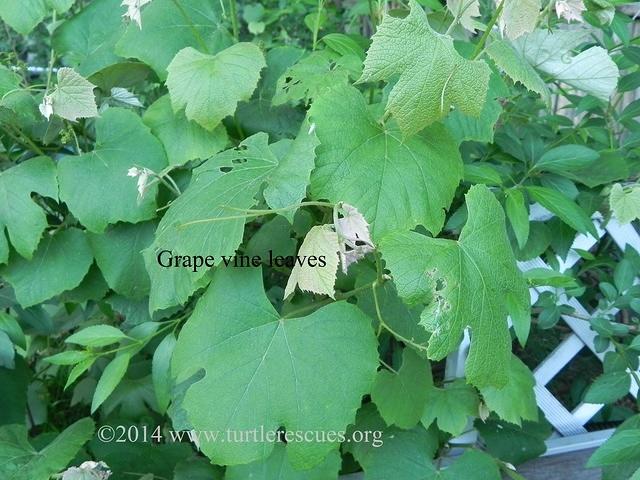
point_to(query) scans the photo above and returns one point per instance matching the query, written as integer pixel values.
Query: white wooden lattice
(570, 433)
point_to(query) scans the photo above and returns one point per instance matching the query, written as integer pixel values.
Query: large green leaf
(473, 282)
(209, 87)
(169, 26)
(243, 172)
(118, 253)
(450, 407)
(396, 184)
(519, 17)
(20, 461)
(305, 374)
(24, 15)
(60, 263)
(19, 214)
(95, 185)
(432, 75)
(621, 447)
(183, 139)
(87, 40)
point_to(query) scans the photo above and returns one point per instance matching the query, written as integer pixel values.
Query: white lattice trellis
(570, 433)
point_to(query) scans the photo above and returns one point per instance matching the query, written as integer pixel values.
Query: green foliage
(167, 168)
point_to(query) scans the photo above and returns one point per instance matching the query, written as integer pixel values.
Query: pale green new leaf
(451, 406)
(95, 185)
(183, 139)
(60, 263)
(110, 378)
(73, 96)
(592, 70)
(513, 63)
(465, 11)
(473, 282)
(625, 203)
(401, 397)
(118, 253)
(516, 401)
(320, 241)
(169, 26)
(277, 467)
(432, 75)
(206, 219)
(161, 371)
(20, 461)
(270, 372)
(209, 87)
(23, 219)
(519, 17)
(96, 336)
(518, 215)
(396, 184)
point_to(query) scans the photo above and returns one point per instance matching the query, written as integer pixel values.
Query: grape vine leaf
(73, 96)
(450, 407)
(516, 401)
(320, 241)
(87, 40)
(473, 282)
(401, 396)
(118, 253)
(465, 11)
(209, 87)
(24, 15)
(592, 70)
(23, 219)
(519, 17)
(277, 467)
(508, 59)
(92, 180)
(20, 461)
(170, 26)
(60, 263)
(183, 139)
(432, 76)
(207, 200)
(285, 372)
(370, 167)
(624, 204)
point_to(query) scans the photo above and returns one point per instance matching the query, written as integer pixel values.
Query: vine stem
(339, 296)
(233, 12)
(192, 27)
(480, 46)
(316, 24)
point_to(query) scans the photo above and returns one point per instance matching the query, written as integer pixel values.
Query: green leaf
(19, 214)
(516, 401)
(451, 406)
(161, 371)
(432, 75)
(197, 468)
(511, 61)
(277, 467)
(621, 447)
(183, 140)
(367, 165)
(73, 96)
(321, 241)
(170, 26)
(465, 11)
(592, 70)
(287, 372)
(69, 357)
(513, 443)
(518, 215)
(109, 380)
(519, 17)
(118, 253)
(401, 397)
(566, 209)
(566, 158)
(87, 40)
(625, 203)
(7, 352)
(11, 327)
(209, 87)
(96, 336)
(93, 180)
(20, 461)
(59, 264)
(457, 280)
(473, 465)
(24, 15)
(208, 202)
(608, 387)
